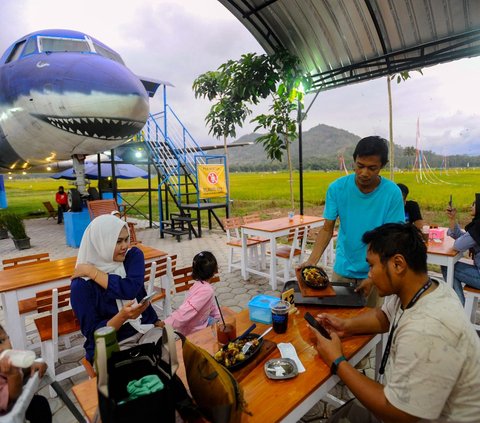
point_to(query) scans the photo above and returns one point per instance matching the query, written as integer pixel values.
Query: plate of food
(231, 356)
(315, 277)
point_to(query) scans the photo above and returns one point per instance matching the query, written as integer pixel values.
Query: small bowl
(280, 368)
(317, 279)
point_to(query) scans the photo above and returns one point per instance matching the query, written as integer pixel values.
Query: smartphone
(314, 323)
(450, 203)
(147, 298)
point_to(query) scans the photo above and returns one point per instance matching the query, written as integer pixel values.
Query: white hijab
(97, 247)
(98, 244)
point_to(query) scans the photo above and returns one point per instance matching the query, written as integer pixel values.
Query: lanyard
(395, 325)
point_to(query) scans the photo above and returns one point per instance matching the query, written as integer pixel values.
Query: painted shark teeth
(94, 126)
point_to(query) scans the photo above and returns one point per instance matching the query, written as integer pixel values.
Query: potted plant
(14, 224)
(3, 228)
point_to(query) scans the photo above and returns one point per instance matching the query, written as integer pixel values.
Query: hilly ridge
(322, 146)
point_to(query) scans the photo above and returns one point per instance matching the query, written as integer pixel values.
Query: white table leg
(13, 323)
(244, 259)
(273, 263)
(450, 270)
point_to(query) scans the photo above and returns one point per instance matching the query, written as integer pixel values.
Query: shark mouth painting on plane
(64, 93)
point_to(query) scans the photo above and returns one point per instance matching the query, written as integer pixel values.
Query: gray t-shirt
(433, 371)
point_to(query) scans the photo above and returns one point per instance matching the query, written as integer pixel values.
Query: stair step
(173, 231)
(178, 218)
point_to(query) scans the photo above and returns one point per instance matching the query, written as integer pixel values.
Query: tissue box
(436, 234)
(259, 308)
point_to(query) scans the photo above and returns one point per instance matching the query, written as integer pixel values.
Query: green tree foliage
(237, 84)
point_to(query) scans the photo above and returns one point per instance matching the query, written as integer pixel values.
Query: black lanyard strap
(415, 298)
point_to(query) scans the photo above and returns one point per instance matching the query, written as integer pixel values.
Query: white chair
(234, 243)
(158, 280)
(287, 254)
(472, 296)
(328, 256)
(55, 326)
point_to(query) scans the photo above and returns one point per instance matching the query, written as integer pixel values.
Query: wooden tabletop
(445, 247)
(282, 223)
(39, 273)
(258, 389)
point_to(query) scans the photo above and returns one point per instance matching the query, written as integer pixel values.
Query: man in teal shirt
(362, 202)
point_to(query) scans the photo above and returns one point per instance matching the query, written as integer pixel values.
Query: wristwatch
(335, 363)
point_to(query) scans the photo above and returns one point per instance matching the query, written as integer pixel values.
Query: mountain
(322, 146)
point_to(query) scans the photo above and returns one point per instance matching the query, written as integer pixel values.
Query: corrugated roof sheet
(345, 41)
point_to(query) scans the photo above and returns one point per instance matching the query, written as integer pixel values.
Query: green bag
(214, 389)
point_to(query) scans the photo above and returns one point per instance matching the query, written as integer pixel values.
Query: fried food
(232, 353)
(315, 276)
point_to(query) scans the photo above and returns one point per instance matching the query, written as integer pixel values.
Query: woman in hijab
(108, 285)
(466, 240)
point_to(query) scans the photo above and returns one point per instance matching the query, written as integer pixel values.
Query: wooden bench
(25, 260)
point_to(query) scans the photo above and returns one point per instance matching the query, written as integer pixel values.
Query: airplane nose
(100, 97)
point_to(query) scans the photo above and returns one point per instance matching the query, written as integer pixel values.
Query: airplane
(65, 95)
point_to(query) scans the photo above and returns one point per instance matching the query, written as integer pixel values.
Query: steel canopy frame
(340, 42)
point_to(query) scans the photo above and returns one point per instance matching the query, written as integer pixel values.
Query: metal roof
(340, 42)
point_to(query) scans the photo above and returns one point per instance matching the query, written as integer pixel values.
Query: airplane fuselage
(63, 93)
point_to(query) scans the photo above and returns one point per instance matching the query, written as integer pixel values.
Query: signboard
(211, 180)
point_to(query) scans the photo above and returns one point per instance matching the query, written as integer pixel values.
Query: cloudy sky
(177, 40)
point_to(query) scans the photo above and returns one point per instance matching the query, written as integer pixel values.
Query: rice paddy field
(269, 192)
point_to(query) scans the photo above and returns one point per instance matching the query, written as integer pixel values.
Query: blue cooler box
(259, 308)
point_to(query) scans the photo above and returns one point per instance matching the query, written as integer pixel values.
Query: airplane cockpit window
(17, 50)
(30, 47)
(108, 53)
(52, 44)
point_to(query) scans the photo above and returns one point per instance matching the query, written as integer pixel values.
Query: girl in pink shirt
(199, 309)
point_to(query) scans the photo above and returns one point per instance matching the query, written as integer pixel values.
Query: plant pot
(22, 244)
(3, 233)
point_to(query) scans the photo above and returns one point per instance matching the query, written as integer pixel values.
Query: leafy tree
(237, 84)
(281, 122)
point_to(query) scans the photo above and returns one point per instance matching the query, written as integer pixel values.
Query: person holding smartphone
(430, 366)
(468, 240)
(108, 286)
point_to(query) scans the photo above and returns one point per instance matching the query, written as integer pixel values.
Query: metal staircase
(175, 154)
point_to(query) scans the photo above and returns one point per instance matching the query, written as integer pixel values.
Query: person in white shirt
(431, 363)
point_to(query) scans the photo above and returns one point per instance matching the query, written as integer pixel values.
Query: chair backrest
(231, 226)
(252, 218)
(46, 299)
(99, 207)
(297, 237)
(182, 279)
(25, 260)
(158, 269)
(49, 207)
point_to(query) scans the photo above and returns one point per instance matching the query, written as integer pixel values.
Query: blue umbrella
(122, 171)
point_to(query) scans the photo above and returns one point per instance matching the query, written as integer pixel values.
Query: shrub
(14, 224)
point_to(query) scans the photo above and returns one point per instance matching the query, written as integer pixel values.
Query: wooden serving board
(310, 292)
(265, 351)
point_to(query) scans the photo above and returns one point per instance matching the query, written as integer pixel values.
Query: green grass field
(269, 193)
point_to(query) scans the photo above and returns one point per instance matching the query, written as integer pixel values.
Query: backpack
(214, 389)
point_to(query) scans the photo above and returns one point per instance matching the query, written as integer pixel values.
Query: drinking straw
(221, 314)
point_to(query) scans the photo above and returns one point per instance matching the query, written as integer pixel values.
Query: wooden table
(273, 229)
(23, 282)
(272, 400)
(443, 254)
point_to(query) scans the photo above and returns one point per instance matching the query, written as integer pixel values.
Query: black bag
(146, 359)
